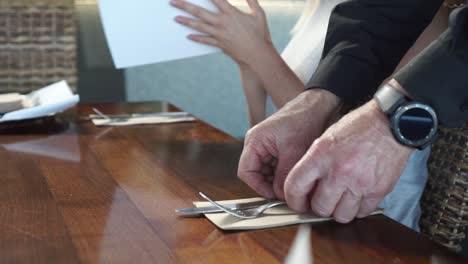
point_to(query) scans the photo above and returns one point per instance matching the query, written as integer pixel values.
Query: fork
(110, 119)
(244, 213)
(126, 117)
(99, 113)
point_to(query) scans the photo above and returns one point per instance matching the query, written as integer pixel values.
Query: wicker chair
(445, 199)
(37, 44)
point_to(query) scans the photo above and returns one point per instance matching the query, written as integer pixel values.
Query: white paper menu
(143, 32)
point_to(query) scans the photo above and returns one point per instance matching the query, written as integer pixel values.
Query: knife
(197, 211)
(162, 114)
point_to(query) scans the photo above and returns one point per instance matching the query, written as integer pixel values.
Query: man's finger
(287, 160)
(325, 197)
(368, 205)
(347, 207)
(259, 183)
(372, 200)
(250, 167)
(267, 171)
(196, 11)
(301, 181)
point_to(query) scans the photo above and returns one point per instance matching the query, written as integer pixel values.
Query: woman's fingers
(196, 11)
(254, 5)
(196, 24)
(204, 40)
(222, 5)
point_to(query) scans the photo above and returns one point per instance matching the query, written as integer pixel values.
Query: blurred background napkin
(273, 217)
(46, 101)
(141, 120)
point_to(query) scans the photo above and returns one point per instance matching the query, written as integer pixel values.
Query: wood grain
(74, 193)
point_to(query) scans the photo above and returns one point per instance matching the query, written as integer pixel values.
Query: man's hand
(350, 168)
(273, 147)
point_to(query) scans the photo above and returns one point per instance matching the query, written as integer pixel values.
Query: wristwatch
(413, 124)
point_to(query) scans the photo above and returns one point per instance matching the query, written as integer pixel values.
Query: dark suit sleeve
(439, 75)
(365, 41)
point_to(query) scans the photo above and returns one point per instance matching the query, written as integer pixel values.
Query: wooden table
(76, 193)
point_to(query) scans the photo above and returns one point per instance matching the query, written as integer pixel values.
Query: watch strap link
(389, 99)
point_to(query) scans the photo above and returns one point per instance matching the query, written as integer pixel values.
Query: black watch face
(415, 124)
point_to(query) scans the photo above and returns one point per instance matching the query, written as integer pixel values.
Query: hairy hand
(240, 35)
(349, 169)
(273, 147)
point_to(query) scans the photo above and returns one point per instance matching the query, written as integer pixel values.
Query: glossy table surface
(75, 193)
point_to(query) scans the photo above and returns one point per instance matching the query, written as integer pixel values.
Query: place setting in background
(101, 119)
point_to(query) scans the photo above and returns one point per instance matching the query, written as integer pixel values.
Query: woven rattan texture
(445, 199)
(37, 44)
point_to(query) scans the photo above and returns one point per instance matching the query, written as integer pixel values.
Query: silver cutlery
(125, 117)
(244, 213)
(197, 211)
(100, 114)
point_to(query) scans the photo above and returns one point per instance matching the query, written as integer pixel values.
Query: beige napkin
(273, 217)
(143, 120)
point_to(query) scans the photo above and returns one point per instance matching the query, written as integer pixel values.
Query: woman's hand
(242, 36)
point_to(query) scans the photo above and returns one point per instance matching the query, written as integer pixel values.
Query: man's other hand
(350, 168)
(273, 147)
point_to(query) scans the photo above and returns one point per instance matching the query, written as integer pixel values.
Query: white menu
(143, 32)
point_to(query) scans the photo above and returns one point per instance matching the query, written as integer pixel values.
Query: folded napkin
(46, 101)
(273, 217)
(11, 102)
(141, 120)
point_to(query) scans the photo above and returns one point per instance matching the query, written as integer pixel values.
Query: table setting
(250, 213)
